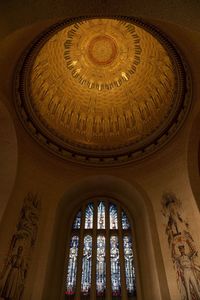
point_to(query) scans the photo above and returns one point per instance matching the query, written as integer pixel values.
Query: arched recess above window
(100, 257)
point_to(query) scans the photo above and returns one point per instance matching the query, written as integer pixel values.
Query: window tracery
(100, 253)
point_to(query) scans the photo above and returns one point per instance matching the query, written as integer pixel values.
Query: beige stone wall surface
(62, 186)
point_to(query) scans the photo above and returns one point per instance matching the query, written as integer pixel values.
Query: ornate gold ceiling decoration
(103, 54)
(102, 90)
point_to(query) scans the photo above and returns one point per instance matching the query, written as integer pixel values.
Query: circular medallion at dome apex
(98, 89)
(102, 50)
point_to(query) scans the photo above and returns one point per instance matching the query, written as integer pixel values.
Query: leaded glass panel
(129, 266)
(115, 266)
(90, 277)
(72, 266)
(77, 221)
(101, 266)
(86, 265)
(113, 216)
(101, 216)
(89, 215)
(125, 221)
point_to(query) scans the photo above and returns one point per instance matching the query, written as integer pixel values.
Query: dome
(101, 90)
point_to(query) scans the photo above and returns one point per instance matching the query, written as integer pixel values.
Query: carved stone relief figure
(14, 281)
(183, 250)
(16, 265)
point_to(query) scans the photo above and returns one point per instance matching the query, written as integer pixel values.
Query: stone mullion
(80, 255)
(121, 255)
(94, 254)
(108, 271)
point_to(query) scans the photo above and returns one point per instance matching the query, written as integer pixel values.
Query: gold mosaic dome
(101, 89)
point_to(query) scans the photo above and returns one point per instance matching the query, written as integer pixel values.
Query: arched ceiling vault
(102, 90)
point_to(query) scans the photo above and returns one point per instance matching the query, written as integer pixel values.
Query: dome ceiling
(101, 88)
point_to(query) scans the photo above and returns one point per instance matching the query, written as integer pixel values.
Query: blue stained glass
(89, 212)
(113, 216)
(129, 265)
(125, 221)
(86, 265)
(101, 216)
(77, 221)
(101, 266)
(115, 266)
(72, 266)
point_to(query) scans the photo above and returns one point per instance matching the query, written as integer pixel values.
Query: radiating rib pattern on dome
(102, 90)
(102, 83)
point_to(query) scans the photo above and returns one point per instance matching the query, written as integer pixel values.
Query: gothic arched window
(100, 260)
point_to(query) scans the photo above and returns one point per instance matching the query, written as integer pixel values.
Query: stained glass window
(86, 265)
(125, 221)
(101, 254)
(89, 216)
(72, 266)
(129, 265)
(77, 221)
(101, 216)
(115, 266)
(113, 216)
(101, 266)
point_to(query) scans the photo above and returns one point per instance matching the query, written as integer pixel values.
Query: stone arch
(8, 157)
(193, 159)
(151, 286)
